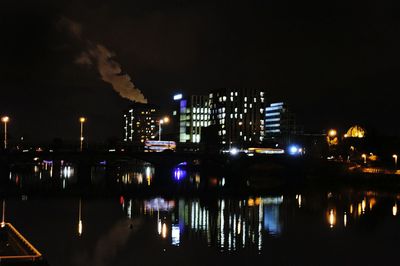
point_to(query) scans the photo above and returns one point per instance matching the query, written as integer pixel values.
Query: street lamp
(332, 133)
(364, 156)
(395, 160)
(162, 121)
(82, 120)
(5, 120)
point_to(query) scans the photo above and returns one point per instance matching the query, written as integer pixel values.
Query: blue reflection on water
(179, 173)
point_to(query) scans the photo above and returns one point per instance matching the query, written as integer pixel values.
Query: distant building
(355, 132)
(141, 123)
(280, 123)
(190, 116)
(238, 115)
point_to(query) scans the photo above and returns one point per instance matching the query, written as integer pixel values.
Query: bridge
(163, 162)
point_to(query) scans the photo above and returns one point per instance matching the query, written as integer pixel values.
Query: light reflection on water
(62, 175)
(241, 226)
(234, 224)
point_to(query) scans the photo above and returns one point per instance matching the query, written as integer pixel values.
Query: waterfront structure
(141, 123)
(355, 132)
(15, 249)
(280, 123)
(238, 115)
(190, 116)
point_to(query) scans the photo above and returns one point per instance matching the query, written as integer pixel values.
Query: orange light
(5, 119)
(332, 133)
(250, 202)
(82, 119)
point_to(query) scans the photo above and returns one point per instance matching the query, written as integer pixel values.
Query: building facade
(141, 123)
(238, 115)
(190, 116)
(280, 123)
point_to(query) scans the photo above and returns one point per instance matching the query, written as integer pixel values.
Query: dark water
(312, 227)
(322, 228)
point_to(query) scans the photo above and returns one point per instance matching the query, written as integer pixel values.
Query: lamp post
(82, 120)
(162, 121)
(395, 160)
(5, 120)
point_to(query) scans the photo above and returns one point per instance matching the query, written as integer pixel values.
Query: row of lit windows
(235, 93)
(272, 119)
(201, 110)
(201, 117)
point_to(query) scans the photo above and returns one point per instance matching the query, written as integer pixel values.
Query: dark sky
(335, 62)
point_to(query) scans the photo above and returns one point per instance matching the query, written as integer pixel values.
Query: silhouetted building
(190, 116)
(238, 115)
(280, 124)
(141, 123)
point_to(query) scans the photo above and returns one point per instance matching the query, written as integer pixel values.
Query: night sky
(335, 62)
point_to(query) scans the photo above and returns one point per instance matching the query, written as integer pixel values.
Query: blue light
(179, 173)
(294, 150)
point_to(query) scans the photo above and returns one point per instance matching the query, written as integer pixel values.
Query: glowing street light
(332, 133)
(332, 138)
(364, 156)
(162, 121)
(5, 120)
(395, 160)
(81, 121)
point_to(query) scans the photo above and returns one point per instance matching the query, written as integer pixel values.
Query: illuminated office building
(190, 116)
(141, 123)
(279, 122)
(238, 115)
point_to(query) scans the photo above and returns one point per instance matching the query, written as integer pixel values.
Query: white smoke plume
(110, 70)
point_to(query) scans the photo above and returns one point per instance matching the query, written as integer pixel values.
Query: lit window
(245, 99)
